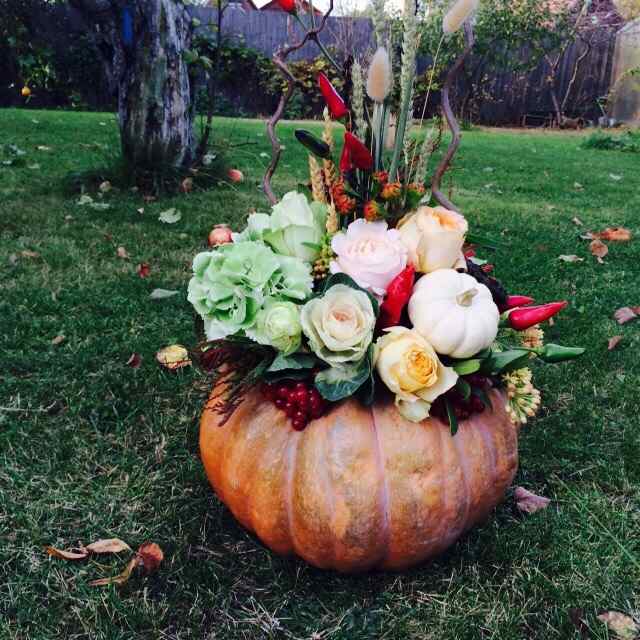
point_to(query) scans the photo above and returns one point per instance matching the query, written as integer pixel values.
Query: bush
(628, 141)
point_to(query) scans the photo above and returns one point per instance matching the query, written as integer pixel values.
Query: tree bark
(142, 45)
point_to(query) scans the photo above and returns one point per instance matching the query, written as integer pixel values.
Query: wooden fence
(505, 98)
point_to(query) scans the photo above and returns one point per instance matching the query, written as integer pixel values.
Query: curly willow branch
(279, 59)
(451, 121)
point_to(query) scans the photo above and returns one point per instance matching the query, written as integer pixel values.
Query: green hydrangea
(230, 285)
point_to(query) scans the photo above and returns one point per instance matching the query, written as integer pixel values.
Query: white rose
(370, 253)
(411, 369)
(339, 325)
(434, 238)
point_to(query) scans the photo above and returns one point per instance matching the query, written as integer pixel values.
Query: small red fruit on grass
(220, 234)
(235, 175)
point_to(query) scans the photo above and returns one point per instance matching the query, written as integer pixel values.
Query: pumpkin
(454, 313)
(360, 488)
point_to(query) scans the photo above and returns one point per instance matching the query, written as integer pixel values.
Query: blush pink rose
(370, 253)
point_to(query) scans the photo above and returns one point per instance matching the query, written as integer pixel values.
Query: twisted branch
(456, 135)
(279, 59)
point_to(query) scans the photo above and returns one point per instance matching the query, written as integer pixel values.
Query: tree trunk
(142, 46)
(155, 106)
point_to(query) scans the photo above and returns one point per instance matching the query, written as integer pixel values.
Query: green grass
(117, 453)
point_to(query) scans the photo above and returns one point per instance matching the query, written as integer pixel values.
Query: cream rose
(434, 238)
(339, 325)
(411, 369)
(370, 253)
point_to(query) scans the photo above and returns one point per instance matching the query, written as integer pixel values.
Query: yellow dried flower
(317, 180)
(533, 337)
(523, 399)
(327, 132)
(333, 223)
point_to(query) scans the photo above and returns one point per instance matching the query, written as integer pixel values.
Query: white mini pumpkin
(454, 312)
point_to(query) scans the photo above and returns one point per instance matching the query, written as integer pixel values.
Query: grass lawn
(92, 448)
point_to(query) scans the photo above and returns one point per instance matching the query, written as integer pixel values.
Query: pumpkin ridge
(383, 488)
(327, 442)
(462, 461)
(292, 451)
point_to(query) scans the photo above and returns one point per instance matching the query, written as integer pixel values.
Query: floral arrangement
(366, 286)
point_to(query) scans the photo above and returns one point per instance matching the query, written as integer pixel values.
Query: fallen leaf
(161, 294)
(43, 147)
(105, 186)
(140, 210)
(144, 269)
(34, 167)
(613, 342)
(615, 176)
(150, 555)
(29, 254)
(610, 234)
(121, 578)
(186, 186)
(134, 361)
(121, 252)
(577, 221)
(577, 186)
(100, 206)
(84, 200)
(58, 340)
(614, 234)
(79, 553)
(625, 314)
(598, 249)
(173, 357)
(208, 158)
(170, 216)
(624, 626)
(529, 502)
(570, 258)
(108, 545)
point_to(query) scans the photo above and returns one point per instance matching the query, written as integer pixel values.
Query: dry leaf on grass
(58, 340)
(105, 186)
(610, 234)
(120, 579)
(148, 557)
(570, 258)
(29, 254)
(161, 294)
(613, 342)
(144, 269)
(108, 545)
(625, 314)
(173, 357)
(77, 553)
(598, 249)
(121, 252)
(624, 626)
(170, 216)
(577, 221)
(134, 361)
(529, 502)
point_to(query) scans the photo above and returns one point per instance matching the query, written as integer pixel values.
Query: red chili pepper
(361, 157)
(288, 5)
(346, 162)
(337, 107)
(516, 301)
(521, 319)
(398, 294)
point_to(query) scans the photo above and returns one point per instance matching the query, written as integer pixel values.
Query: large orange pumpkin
(361, 487)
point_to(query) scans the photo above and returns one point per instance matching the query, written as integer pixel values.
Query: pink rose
(370, 253)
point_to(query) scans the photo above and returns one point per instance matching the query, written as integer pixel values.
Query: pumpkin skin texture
(360, 488)
(454, 313)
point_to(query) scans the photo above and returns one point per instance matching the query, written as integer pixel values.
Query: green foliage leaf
(335, 384)
(467, 367)
(293, 361)
(453, 421)
(505, 361)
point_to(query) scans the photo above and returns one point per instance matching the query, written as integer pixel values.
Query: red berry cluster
(462, 408)
(299, 400)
